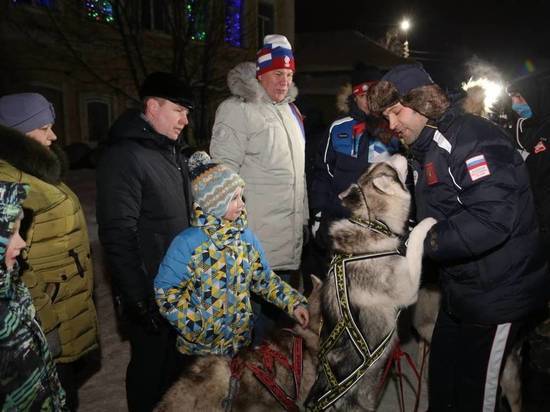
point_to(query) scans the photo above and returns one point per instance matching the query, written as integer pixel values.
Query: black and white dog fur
(377, 287)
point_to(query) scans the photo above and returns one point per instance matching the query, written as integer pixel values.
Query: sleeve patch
(477, 167)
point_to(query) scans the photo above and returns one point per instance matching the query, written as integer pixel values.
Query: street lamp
(404, 26)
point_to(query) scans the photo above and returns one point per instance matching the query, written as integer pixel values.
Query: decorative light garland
(195, 10)
(99, 10)
(233, 26)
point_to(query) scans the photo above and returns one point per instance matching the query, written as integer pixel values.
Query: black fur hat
(411, 86)
(168, 86)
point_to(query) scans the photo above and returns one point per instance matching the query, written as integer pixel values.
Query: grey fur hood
(31, 157)
(242, 83)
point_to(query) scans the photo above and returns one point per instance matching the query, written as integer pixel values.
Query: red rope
(265, 372)
(425, 351)
(395, 359)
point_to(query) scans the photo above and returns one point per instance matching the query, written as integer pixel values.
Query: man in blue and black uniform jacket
(485, 245)
(353, 143)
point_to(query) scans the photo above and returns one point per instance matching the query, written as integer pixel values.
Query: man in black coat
(531, 101)
(143, 202)
(485, 245)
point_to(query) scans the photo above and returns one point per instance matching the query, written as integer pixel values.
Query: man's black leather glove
(146, 313)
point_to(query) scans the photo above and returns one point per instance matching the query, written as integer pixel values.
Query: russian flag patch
(477, 167)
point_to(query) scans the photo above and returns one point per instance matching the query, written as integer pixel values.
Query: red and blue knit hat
(276, 53)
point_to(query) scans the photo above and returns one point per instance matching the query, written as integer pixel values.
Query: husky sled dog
(368, 283)
(207, 385)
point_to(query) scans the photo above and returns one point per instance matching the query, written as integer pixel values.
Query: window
(97, 118)
(153, 15)
(266, 18)
(50, 4)
(99, 10)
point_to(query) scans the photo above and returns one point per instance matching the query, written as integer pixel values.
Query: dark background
(453, 39)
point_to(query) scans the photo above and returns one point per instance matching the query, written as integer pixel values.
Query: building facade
(89, 56)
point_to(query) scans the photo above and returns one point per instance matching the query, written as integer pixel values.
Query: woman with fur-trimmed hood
(259, 133)
(58, 268)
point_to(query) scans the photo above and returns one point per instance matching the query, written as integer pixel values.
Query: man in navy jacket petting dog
(485, 245)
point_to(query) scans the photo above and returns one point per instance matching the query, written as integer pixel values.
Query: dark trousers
(154, 365)
(67, 377)
(466, 361)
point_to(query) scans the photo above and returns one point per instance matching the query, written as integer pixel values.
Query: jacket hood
(11, 197)
(535, 89)
(221, 231)
(342, 98)
(132, 125)
(242, 83)
(31, 157)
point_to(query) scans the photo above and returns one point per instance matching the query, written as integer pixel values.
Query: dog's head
(381, 193)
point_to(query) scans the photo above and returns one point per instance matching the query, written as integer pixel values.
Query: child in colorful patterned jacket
(204, 281)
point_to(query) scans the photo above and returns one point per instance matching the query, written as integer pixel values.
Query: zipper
(79, 267)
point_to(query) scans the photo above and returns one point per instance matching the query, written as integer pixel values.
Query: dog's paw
(426, 224)
(418, 234)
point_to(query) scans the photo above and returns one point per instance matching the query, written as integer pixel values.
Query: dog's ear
(317, 283)
(399, 163)
(385, 184)
(351, 197)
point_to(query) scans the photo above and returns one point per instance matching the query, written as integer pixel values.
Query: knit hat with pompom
(213, 184)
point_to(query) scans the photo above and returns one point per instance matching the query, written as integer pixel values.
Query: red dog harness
(265, 372)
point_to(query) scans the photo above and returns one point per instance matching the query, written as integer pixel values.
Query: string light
(233, 28)
(50, 4)
(195, 10)
(99, 10)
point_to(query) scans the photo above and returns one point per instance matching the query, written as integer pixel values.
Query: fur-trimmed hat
(412, 86)
(167, 86)
(25, 112)
(276, 53)
(213, 184)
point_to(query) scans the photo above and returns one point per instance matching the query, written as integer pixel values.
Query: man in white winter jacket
(258, 132)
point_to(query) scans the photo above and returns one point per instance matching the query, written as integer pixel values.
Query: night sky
(449, 38)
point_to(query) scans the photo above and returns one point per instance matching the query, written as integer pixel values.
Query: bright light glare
(492, 90)
(405, 24)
